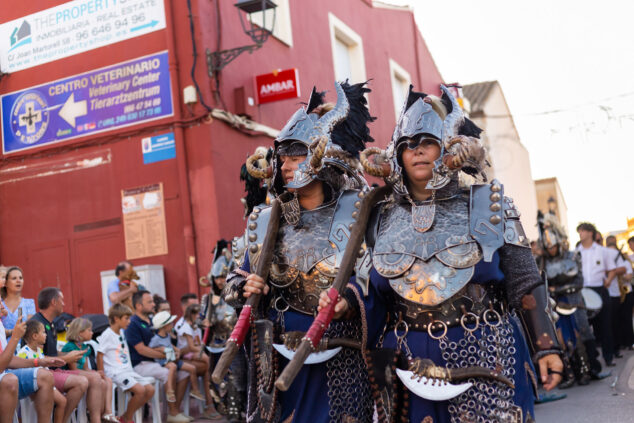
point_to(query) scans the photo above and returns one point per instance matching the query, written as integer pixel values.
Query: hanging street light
(247, 10)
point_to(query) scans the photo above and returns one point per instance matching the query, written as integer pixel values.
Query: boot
(592, 354)
(582, 368)
(569, 374)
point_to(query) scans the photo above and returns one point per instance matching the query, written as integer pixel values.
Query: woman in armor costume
(221, 318)
(316, 174)
(562, 269)
(452, 266)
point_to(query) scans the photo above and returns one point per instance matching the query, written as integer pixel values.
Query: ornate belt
(474, 303)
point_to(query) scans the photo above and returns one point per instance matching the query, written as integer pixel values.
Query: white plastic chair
(120, 402)
(27, 411)
(156, 403)
(80, 415)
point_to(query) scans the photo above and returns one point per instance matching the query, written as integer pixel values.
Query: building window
(347, 51)
(400, 86)
(282, 29)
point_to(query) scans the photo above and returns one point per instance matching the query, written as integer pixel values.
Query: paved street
(610, 399)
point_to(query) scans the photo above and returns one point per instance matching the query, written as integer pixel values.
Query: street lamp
(217, 60)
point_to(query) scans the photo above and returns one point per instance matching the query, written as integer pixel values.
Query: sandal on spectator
(196, 394)
(212, 414)
(110, 418)
(171, 397)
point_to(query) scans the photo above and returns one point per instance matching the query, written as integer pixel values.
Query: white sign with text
(75, 27)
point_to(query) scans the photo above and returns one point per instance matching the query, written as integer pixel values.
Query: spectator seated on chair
(163, 323)
(139, 334)
(21, 377)
(113, 359)
(34, 339)
(190, 344)
(78, 333)
(73, 383)
(12, 300)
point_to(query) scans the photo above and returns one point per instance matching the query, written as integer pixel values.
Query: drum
(593, 301)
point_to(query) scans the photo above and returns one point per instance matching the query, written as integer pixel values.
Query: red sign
(276, 86)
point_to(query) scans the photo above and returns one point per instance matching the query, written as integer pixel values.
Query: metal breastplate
(304, 262)
(561, 270)
(429, 267)
(307, 255)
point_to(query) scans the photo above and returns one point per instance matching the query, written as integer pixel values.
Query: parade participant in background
(618, 290)
(315, 173)
(562, 268)
(451, 263)
(222, 318)
(256, 188)
(598, 272)
(628, 306)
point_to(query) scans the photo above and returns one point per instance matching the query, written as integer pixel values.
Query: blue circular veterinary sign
(29, 117)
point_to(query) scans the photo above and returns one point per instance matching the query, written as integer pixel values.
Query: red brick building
(61, 213)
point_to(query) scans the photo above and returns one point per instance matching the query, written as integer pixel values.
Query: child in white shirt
(191, 346)
(35, 338)
(113, 357)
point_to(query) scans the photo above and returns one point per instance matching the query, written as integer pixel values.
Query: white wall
(509, 158)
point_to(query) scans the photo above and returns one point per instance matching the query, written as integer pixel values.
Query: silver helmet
(429, 117)
(331, 143)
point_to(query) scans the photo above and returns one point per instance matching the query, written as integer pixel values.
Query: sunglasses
(414, 143)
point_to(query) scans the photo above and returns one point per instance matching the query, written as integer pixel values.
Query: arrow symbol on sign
(151, 24)
(71, 110)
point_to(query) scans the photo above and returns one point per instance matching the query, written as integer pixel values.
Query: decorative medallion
(423, 216)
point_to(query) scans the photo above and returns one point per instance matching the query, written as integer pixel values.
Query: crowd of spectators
(144, 347)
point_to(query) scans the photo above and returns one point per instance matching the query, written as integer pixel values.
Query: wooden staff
(310, 342)
(241, 328)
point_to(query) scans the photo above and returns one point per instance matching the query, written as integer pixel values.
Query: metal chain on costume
(486, 400)
(349, 394)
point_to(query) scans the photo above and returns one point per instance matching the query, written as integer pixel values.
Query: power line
(567, 109)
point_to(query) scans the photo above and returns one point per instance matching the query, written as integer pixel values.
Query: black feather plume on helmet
(353, 132)
(316, 100)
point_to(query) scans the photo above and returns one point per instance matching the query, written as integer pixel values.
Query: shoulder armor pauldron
(238, 248)
(486, 217)
(256, 232)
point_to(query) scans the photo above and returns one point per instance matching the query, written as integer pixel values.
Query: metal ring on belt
(405, 331)
(464, 325)
(279, 309)
(444, 332)
(497, 316)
